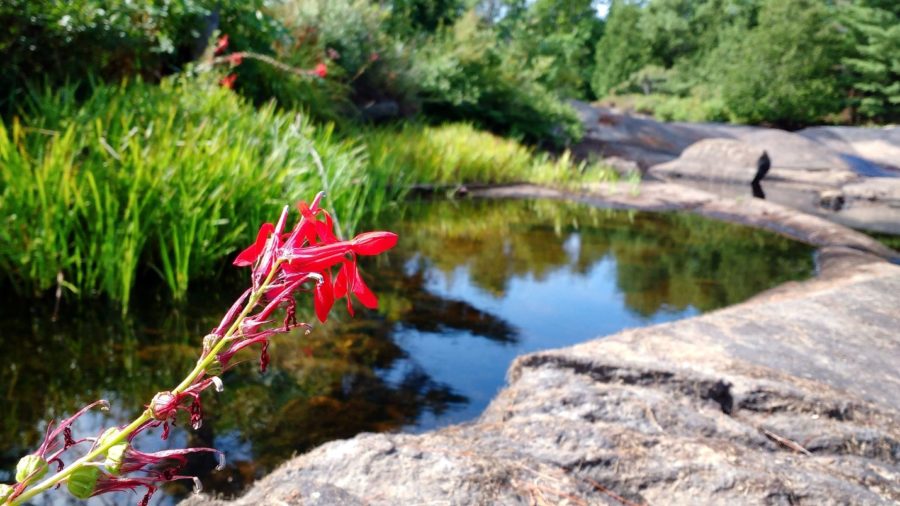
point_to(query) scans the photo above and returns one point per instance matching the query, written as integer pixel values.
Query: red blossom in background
(221, 44)
(228, 81)
(321, 70)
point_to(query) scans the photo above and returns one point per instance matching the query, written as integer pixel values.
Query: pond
(471, 285)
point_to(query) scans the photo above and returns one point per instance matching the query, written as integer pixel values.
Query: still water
(471, 285)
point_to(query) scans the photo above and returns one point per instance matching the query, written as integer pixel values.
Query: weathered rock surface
(789, 398)
(714, 160)
(880, 145)
(810, 168)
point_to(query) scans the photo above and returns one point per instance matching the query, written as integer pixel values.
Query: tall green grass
(172, 177)
(459, 153)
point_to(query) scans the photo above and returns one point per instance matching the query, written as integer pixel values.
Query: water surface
(471, 285)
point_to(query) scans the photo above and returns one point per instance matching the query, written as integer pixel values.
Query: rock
(378, 112)
(878, 145)
(872, 203)
(797, 159)
(624, 168)
(790, 398)
(712, 159)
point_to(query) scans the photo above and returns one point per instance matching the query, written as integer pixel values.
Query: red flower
(321, 70)
(373, 243)
(235, 59)
(221, 44)
(228, 81)
(250, 255)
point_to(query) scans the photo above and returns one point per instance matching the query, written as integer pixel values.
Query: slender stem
(146, 416)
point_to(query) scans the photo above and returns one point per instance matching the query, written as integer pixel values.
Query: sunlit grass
(458, 153)
(171, 177)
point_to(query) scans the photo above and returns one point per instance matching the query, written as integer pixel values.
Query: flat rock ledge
(789, 398)
(667, 196)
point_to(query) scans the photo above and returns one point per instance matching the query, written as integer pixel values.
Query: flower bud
(83, 481)
(107, 435)
(30, 466)
(114, 457)
(5, 491)
(161, 405)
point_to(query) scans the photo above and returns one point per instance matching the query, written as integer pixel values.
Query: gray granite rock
(725, 160)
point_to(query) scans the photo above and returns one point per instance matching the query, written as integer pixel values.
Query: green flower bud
(114, 457)
(82, 481)
(107, 435)
(30, 467)
(5, 491)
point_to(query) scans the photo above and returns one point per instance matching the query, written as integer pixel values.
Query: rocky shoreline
(789, 398)
(849, 175)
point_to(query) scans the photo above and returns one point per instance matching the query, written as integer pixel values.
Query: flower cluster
(283, 262)
(235, 59)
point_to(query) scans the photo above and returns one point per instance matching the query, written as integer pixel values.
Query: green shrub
(169, 176)
(466, 73)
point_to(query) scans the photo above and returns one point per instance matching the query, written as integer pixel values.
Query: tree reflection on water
(353, 375)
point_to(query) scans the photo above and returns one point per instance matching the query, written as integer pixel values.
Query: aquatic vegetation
(283, 262)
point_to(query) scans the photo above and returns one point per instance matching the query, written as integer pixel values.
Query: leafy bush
(155, 175)
(465, 73)
(55, 41)
(349, 36)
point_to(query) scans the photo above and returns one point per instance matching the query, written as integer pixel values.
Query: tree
(874, 65)
(558, 38)
(785, 69)
(622, 50)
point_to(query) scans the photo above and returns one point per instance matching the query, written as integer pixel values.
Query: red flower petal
(325, 229)
(323, 296)
(342, 281)
(362, 292)
(373, 243)
(251, 254)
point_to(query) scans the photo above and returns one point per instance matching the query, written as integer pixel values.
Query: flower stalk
(282, 263)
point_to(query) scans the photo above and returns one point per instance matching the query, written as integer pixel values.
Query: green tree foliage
(412, 17)
(875, 63)
(785, 69)
(465, 73)
(623, 49)
(558, 37)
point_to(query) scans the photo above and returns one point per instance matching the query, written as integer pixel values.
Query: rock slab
(789, 398)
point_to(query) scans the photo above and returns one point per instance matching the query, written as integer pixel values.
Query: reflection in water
(471, 285)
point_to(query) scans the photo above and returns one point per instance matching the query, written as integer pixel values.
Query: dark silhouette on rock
(762, 168)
